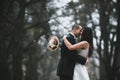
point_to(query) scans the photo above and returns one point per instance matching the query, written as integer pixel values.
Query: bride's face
(81, 31)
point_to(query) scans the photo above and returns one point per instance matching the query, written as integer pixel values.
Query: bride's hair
(87, 35)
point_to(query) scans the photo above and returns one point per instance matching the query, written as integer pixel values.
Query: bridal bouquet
(53, 43)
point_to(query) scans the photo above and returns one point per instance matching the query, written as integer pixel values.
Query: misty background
(26, 25)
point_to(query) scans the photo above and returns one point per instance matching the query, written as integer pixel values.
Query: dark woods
(25, 29)
(18, 47)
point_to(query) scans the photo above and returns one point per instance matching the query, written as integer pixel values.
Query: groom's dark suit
(68, 59)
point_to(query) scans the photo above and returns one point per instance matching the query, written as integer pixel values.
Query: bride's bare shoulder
(84, 44)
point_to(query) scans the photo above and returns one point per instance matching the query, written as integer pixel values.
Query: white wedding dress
(80, 71)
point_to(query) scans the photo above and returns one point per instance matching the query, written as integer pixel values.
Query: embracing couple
(72, 65)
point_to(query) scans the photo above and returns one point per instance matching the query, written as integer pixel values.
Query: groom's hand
(87, 61)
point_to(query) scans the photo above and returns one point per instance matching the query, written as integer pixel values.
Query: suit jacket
(68, 59)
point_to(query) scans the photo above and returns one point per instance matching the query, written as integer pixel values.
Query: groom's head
(77, 30)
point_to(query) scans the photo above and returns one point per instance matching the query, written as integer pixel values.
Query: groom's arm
(74, 56)
(78, 58)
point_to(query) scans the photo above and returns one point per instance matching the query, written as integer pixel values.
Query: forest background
(26, 25)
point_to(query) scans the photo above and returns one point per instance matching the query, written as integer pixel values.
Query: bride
(86, 48)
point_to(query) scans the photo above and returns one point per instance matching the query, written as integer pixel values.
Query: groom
(68, 58)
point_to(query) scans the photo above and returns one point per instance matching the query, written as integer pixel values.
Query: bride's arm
(80, 45)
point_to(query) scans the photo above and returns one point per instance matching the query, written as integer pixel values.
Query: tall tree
(108, 59)
(13, 34)
(116, 64)
(17, 41)
(39, 27)
(6, 25)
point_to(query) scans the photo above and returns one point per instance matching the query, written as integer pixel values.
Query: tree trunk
(116, 64)
(17, 42)
(105, 64)
(6, 11)
(108, 72)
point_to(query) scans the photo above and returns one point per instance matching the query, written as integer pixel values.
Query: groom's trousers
(65, 78)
